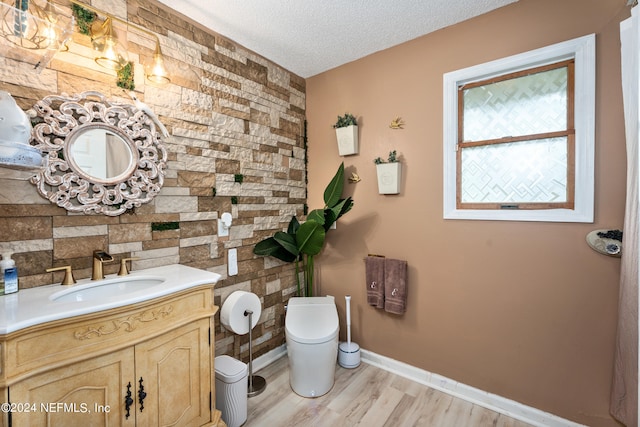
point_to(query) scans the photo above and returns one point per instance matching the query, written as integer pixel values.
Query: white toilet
(311, 329)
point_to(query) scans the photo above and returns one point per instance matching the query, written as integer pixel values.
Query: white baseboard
(491, 401)
(476, 396)
(269, 357)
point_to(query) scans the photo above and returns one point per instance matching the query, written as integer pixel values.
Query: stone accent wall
(229, 111)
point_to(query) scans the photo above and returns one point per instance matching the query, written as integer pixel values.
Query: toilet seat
(311, 320)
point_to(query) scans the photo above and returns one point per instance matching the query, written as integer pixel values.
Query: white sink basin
(106, 288)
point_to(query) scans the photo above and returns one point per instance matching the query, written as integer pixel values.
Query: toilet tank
(311, 320)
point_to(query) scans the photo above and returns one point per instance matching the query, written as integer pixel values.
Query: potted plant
(389, 174)
(347, 134)
(303, 241)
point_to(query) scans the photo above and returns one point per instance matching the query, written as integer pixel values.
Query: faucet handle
(123, 266)
(68, 274)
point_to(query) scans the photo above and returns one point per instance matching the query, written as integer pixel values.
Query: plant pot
(389, 177)
(347, 140)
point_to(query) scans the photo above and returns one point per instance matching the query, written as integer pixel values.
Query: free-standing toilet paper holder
(237, 307)
(257, 384)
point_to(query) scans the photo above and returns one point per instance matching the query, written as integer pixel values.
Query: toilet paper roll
(232, 315)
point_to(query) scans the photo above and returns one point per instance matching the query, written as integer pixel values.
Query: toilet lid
(311, 324)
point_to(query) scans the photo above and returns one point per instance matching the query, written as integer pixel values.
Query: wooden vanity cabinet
(156, 355)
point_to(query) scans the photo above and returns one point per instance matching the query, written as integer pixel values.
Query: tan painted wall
(523, 310)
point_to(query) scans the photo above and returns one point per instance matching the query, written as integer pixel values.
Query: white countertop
(34, 306)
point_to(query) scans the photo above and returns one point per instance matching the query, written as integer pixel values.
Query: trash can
(231, 390)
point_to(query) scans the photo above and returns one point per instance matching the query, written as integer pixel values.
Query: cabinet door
(175, 369)
(88, 393)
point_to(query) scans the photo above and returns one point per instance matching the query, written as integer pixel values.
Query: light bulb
(113, 56)
(109, 52)
(50, 34)
(158, 73)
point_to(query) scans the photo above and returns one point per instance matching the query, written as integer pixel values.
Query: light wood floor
(366, 396)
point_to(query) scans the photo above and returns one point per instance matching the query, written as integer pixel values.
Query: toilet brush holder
(348, 352)
(349, 355)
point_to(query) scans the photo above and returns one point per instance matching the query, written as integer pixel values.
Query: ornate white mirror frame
(69, 129)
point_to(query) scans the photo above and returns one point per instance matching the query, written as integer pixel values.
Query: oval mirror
(101, 156)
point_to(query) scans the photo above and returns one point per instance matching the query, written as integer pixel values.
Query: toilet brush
(348, 352)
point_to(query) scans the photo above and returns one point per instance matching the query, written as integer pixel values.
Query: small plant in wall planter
(389, 173)
(347, 134)
(393, 158)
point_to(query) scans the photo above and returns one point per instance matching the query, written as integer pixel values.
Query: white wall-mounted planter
(389, 177)
(347, 140)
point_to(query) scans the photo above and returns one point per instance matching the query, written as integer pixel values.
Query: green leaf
(329, 218)
(294, 224)
(270, 247)
(333, 214)
(266, 246)
(287, 241)
(316, 215)
(310, 238)
(333, 192)
(346, 206)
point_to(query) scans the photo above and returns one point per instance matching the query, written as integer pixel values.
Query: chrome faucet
(99, 257)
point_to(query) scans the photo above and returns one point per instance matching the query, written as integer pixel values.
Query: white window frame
(583, 51)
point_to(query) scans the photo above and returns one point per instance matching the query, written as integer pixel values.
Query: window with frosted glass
(516, 140)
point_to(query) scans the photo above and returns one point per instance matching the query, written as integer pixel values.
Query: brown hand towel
(374, 272)
(395, 286)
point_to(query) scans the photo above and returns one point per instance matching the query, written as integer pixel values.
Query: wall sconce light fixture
(157, 72)
(30, 25)
(38, 27)
(113, 55)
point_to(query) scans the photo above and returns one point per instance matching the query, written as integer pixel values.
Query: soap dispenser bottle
(9, 273)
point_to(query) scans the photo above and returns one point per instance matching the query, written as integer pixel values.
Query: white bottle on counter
(9, 273)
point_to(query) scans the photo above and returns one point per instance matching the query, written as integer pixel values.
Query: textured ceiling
(308, 37)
